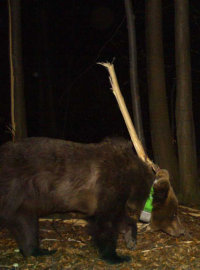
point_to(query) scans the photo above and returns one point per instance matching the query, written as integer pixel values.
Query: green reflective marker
(146, 213)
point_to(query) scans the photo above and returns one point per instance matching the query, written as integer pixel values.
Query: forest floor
(155, 250)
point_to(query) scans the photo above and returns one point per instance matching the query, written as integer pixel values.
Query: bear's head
(164, 215)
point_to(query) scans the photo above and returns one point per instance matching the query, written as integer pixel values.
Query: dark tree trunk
(164, 153)
(137, 115)
(184, 112)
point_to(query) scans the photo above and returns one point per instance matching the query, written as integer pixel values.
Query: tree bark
(164, 153)
(19, 114)
(137, 115)
(184, 112)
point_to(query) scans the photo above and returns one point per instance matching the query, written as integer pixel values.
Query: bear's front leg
(105, 235)
(129, 229)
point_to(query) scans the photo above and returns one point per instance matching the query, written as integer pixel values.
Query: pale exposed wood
(136, 142)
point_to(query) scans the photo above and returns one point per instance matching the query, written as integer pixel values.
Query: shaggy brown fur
(39, 176)
(165, 207)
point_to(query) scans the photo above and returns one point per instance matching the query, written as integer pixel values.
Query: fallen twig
(74, 222)
(190, 211)
(157, 248)
(46, 239)
(189, 208)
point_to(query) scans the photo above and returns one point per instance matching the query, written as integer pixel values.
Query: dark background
(61, 43)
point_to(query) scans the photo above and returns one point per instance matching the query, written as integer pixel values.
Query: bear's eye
(174, 216)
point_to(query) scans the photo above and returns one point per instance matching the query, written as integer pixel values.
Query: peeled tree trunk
(184, 113)
(18, 113)
(164, 154)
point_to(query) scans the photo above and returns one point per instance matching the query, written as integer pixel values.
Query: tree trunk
(137, 115)
(184, 113)
(18, 105)
(164, 153)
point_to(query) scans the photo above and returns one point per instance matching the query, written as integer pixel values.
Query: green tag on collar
(148, 205)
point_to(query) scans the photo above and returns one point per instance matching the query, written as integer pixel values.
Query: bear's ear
(161, 188)
(162, 174)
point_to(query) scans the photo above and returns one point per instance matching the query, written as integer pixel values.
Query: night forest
(67, 95)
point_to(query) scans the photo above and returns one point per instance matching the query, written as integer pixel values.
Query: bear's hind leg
(25, 228)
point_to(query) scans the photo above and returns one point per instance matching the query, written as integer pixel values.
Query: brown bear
(40, 176)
